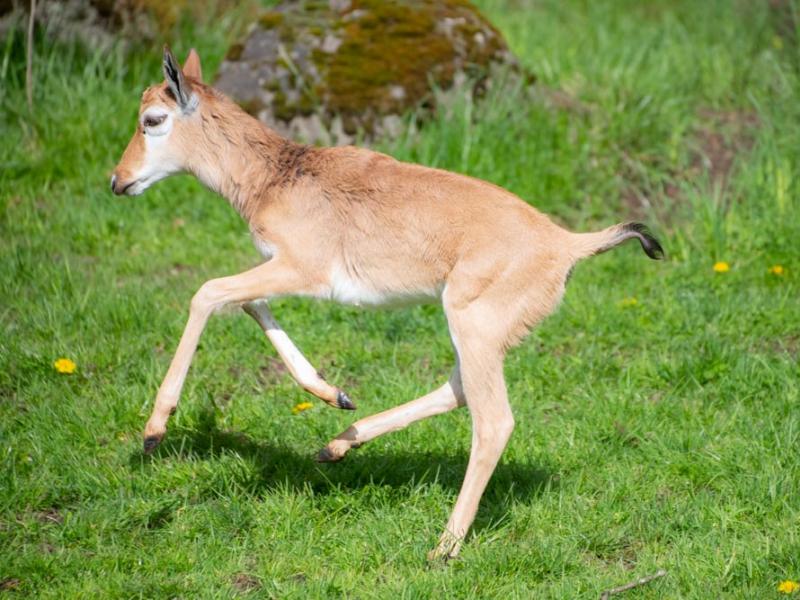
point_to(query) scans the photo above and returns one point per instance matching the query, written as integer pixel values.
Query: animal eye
(154, 121)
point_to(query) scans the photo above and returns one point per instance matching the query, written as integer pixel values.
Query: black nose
(113, 183)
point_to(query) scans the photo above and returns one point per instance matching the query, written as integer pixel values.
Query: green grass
(659, 435)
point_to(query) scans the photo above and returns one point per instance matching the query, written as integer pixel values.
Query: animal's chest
(264, 247)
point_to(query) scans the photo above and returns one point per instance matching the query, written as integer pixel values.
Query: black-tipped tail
(589, 244)
(649, 243)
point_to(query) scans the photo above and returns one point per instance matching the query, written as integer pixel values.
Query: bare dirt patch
(788, 344)
(49, 515)
(722, 137)
(244, 582)
(11, 583)
(625, 555)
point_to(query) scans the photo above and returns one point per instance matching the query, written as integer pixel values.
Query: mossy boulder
(326, 71)
(102, 24)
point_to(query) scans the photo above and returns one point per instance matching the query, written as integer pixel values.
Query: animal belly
(351, 290)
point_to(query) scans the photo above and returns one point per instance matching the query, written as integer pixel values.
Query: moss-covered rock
(324, 71)
(101, 24)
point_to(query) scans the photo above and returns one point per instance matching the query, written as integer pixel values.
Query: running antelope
(359, 227)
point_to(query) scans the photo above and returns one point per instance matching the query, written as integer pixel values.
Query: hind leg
(488, 310)
(480, 346)
(441, 400)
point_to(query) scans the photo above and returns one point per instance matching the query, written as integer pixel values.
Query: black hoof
(325, 456)
(343, 401)
(441, 562)
(150, 443)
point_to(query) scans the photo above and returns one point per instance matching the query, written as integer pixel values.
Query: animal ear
(191, 66)
(175, 80)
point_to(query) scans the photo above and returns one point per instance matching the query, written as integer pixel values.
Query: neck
(238, 157)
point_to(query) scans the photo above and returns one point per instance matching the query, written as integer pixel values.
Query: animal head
(168, 115)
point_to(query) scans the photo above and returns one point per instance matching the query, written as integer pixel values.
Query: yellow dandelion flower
(777, 270)
(65, 365)
(298, 408)
(788, 587)
(721, 267)
(628, 302)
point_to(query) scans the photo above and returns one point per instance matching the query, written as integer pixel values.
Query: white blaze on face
(159, 158)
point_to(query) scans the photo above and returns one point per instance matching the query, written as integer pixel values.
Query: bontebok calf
(359, 227)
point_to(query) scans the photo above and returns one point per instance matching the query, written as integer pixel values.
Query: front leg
(301, 370)
(273, 278)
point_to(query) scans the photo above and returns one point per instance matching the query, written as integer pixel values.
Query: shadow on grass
(402, 471)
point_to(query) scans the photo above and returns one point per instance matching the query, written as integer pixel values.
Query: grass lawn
(657, 411)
